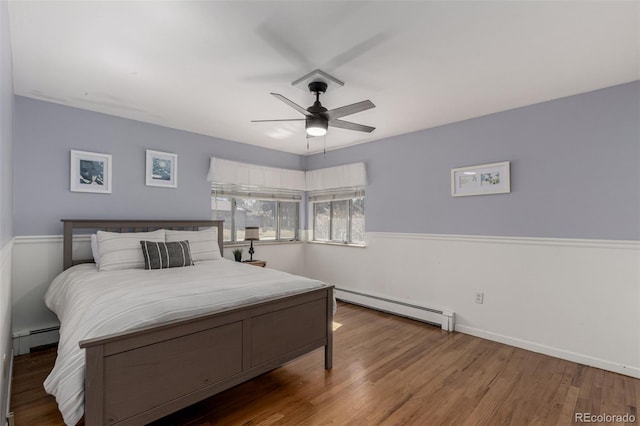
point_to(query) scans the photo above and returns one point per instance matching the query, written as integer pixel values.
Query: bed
(138, 375)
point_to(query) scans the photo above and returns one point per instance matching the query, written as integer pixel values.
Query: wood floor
(390, 371)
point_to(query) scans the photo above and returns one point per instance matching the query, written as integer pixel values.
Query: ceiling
(209, 67)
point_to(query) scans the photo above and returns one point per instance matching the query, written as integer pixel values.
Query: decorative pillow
(166, 255)
(94, 250)
(122, 250)
(203, 243)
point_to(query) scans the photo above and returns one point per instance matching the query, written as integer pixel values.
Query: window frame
(312, 210)
(234, 205)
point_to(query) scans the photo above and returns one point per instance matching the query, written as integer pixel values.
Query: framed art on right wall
(483, 179)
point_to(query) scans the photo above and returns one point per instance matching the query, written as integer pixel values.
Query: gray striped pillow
(159, 255)
(122, 250)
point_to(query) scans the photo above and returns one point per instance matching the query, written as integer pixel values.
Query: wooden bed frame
(140, 376)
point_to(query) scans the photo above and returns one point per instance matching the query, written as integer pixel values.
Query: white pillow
(94, 250)
(203, 243)
(123, 250)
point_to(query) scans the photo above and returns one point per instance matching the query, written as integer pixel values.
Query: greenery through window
(278, 220)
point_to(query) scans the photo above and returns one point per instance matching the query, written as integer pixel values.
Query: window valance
(331, 178)
(232, 173)
(228, 172)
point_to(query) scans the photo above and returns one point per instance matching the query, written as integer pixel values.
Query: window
(340, 219)
(288, 215)
(278, 219)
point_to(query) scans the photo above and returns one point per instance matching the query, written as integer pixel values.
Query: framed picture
(90, 172)
(481, 180)
(162, 169)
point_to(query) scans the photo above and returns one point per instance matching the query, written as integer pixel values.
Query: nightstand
(261, 263)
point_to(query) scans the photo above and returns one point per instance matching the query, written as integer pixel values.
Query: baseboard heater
(441, 318)
(24, 340)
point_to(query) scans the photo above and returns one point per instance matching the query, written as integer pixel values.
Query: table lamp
(251, 233)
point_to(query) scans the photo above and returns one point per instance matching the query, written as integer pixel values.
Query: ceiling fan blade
(351, 126)
(283, 119)
(292, 104)
(357, 50)
(279, 34)
(349, 109)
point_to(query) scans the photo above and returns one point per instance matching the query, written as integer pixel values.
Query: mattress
(92, 304)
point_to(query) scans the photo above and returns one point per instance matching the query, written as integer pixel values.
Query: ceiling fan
(318, 118)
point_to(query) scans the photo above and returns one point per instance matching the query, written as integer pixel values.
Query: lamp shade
(251, 233)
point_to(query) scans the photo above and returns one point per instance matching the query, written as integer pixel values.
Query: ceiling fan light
(316, 126)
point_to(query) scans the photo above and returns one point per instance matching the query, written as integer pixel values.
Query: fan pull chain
(324, 147)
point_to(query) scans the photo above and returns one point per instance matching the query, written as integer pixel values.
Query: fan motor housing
(317, 87)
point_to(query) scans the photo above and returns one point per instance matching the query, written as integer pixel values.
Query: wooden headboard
(71, 225)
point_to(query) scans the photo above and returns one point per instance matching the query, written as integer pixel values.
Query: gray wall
(46, 132)
(575, 171)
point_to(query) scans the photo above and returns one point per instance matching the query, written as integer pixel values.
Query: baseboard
(554, 352)
(25, 340)
(441, 318)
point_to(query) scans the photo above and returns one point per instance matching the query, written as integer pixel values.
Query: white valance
(251, 175)
(232, 173)
(347, 176)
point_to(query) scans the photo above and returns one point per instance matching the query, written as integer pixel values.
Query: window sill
(260, 243)
(269, 243)
(333, 243)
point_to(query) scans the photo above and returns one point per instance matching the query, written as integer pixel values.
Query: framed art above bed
(90, 172)
(161, 169)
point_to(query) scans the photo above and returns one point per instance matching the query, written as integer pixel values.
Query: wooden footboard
(140, 376)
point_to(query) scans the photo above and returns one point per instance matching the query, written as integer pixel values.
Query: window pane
(221, 210)
(321, 221)
(251, 212)
(339, 220)
(357, 220)
(288, 217)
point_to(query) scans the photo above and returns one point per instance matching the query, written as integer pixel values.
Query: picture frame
(162, 169)
(90, 172)
(483, 179)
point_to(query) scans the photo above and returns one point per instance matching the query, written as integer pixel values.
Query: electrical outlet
(479, 297)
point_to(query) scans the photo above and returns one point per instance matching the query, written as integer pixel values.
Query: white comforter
(93, 304)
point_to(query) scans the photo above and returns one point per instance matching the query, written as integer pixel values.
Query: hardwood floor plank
(387, 370)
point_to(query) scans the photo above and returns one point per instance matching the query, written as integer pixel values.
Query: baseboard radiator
(442, 318)
(24, 340)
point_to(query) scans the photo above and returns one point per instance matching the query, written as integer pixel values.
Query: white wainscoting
(6, 354)
(287, 257)
(37, 260)
(572, 299)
